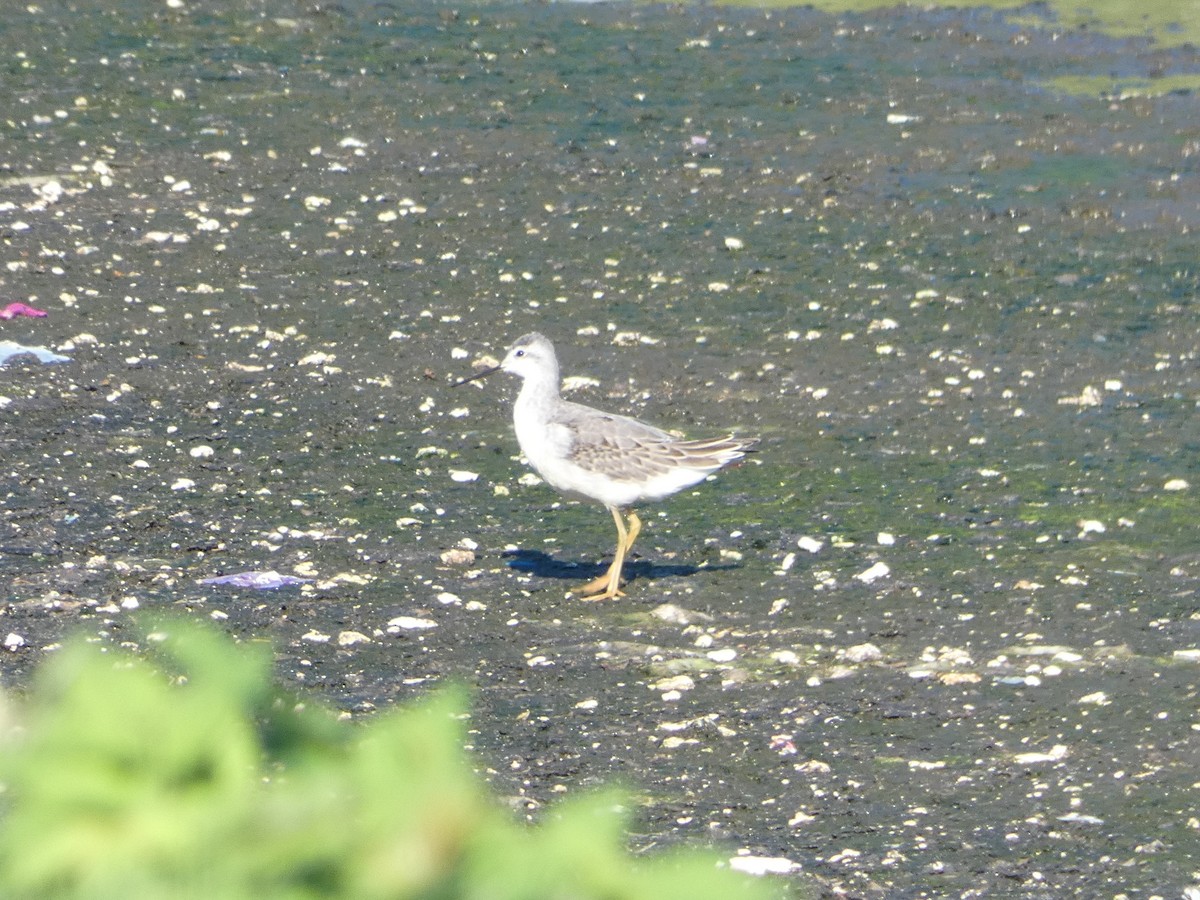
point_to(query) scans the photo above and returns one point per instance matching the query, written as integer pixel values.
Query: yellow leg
(635, 528)
(608, 585)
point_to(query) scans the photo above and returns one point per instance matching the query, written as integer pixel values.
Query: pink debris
(20, 309)
(782, 744)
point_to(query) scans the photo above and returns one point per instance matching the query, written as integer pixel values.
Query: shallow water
(961, 316)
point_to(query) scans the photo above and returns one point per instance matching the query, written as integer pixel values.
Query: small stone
(674, 742)
(350, 638)
(457, 556)
(763, 865)
(862, 653)
(1176, 484)
(677, 615)
(874, 573)
(675, 683)
(1057, 752)
(409, 623)
(13, 641)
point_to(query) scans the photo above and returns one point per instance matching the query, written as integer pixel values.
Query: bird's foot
(603, 588)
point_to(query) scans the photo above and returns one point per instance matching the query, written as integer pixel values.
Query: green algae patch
(1108, 87)
(1167, 22)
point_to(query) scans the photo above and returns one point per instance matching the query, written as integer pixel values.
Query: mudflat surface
(938, 638)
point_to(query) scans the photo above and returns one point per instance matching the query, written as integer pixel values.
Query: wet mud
(937, 638)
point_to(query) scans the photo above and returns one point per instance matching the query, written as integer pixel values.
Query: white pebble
(1057, 752)
(675, 683)
(14, 641)
(1176, 484)
(863, 653)
(724, 655)
(676, 615)
(463, 475)
(458, 556)
(764, 865)
(874, 573)
(410, 623)
(811, 544)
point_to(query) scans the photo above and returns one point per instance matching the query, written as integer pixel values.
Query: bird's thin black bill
(483, 374)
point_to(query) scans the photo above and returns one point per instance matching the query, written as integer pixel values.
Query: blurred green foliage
(191, 775)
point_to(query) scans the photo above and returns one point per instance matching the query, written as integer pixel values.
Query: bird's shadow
(543, 565)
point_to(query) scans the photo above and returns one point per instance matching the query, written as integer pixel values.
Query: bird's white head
(532, 358)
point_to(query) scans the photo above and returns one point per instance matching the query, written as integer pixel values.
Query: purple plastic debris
(260, 581)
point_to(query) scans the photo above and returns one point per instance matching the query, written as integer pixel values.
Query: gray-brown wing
(625, 449)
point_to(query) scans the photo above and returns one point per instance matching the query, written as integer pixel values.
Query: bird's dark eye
(519, 353)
